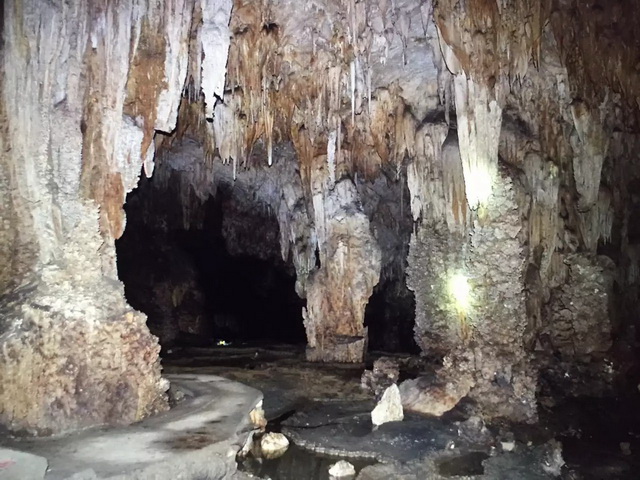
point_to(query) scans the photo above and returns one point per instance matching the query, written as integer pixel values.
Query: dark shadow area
(193, 290)
(249, 298)
(390, 317)
(390, 312)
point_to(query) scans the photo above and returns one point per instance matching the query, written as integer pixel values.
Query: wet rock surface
(16, 465)
(350, 433)
(326, 416)
(196, 439)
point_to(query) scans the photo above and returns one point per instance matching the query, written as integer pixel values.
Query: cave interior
(420, 213)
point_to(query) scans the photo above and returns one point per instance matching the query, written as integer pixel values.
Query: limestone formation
(105, 79)
(342, 470)
(389, 408)
(384, 374)
(350, 266)
(423, 395)
(465, 168)
(273, 445)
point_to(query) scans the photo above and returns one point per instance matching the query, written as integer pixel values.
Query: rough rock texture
(84, 86)
(514, 125)
(389, 408)
(385, 373)
(542, 138)
(112, 378)
(581, 307)
(349, 269)
(423, 395)
(482, 336)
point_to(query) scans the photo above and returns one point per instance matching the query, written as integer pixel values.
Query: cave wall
(513, 161)
(212, 250)
(85, 85)
(506, 146)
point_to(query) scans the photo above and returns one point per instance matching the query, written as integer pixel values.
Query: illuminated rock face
(529, 239)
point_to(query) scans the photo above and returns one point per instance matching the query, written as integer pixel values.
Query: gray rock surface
(385, 373)
(199, 438)
(344, 428)
(16, 465)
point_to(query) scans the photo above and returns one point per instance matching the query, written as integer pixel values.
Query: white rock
(389, 408)
(273, 445)
(342, 469)
(508, 446)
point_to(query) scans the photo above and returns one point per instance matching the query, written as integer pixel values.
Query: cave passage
(193, 290)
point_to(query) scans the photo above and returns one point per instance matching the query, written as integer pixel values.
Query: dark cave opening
(206, 266)
(389, 317)
(194, 291)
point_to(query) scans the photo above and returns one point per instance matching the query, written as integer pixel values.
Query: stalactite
(339, 67)
(597, 222)
(589, 142)
(479, 118)
(102, 91)
(544, 184)
(214, 38)
(331, 157)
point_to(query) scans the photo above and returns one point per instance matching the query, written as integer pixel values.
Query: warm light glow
(460, 290)
(478, 187)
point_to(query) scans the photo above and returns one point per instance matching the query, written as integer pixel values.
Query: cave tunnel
(211, 272)
(195, 292)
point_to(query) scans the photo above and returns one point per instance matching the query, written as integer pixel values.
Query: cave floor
(197, 438)
(324, 411)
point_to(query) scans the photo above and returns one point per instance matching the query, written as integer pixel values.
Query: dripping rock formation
(453, 178)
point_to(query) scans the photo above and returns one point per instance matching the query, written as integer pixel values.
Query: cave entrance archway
(207, 272)
(202, 253)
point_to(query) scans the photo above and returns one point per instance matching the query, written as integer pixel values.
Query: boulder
(422, 395)
(273, 445)
(341, 470)
(389, 408)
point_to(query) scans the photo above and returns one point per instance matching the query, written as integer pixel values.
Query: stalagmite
(104, 86)
(338, 292)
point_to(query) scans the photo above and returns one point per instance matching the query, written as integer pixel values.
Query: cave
(216, 272)
(333, 239)
(193, 290)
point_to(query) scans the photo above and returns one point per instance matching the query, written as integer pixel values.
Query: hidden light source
(460, 290)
